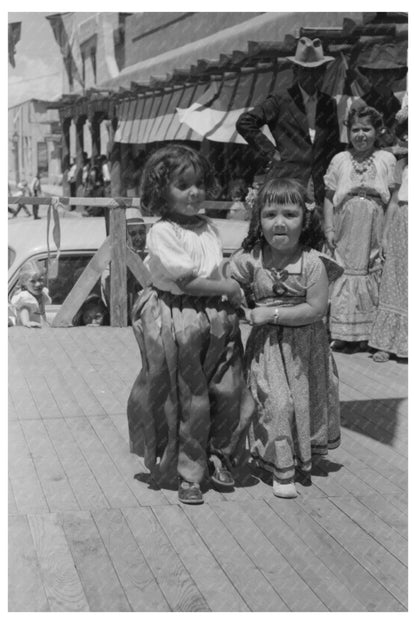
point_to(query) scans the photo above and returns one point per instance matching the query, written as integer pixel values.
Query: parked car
(80, 239)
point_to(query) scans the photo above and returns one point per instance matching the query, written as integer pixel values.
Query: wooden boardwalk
(87, 532)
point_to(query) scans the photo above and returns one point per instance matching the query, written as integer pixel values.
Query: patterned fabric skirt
(189, 397)
(294, 382)
(354, 296)
(389, 331)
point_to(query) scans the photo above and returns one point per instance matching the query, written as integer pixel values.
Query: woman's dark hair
(283, 191)
(159, 170)
(360, 112)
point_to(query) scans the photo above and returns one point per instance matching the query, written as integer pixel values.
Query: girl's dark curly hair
(376, 119)
(160, 169)
(283, 191)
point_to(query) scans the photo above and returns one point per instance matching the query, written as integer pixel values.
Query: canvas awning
(153, 116)
(265, 27)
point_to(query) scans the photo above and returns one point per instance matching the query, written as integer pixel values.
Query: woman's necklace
(362, 166)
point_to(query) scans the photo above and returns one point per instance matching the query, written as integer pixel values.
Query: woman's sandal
(220, 476)
(381, 357)
(189, 493)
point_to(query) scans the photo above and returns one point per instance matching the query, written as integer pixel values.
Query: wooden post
(95, 135)
(65, 156)
(79, 136)
(118, 268)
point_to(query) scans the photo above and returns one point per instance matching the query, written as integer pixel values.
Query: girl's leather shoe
(189, 493)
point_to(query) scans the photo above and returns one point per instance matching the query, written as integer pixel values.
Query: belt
(364, 194)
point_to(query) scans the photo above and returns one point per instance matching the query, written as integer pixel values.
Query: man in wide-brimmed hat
(382, 66)
(302, 120)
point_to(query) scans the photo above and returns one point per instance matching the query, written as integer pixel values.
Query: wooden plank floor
(88, 532)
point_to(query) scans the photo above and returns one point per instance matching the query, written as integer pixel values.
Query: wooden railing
(114, 252)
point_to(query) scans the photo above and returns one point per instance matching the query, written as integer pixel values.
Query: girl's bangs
(281, 197)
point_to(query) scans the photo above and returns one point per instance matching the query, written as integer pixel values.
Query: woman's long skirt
(354, 296)
(389, 331)
(189, 398)
(293, 379)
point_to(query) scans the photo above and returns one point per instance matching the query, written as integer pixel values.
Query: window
(70, 267)
(42, 157)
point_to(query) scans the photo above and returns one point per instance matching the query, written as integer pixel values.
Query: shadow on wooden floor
(378, 420)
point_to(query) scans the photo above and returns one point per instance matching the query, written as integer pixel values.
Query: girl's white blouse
(176, 252)
(341, 178)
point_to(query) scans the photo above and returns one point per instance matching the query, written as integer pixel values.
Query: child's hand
(31, 324)
(233, 292)
(259, 316)
(330, 239)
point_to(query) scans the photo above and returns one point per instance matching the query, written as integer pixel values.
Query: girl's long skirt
(354, 296)
(389, 331)
(294, 382)
(189, 398)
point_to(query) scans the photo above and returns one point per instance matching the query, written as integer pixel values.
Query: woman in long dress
(389, 333)
(359, 183)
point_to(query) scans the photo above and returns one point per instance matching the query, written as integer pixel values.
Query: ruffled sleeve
(331, 178)
(242, 267)
(391, 164)
(316, 261)
(24, 300)
(165, 246)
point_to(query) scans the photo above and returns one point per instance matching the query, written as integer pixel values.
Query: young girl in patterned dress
(290, 369)
(185, 406)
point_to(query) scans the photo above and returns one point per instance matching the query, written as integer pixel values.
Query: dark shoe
(189, 493)
(220, 476)
(338, 345)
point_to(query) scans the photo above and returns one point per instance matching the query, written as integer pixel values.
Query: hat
(309, 53)
(133, 213)
(383, 57)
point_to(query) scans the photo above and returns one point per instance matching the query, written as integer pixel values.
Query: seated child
(31, 296)
(92, 313)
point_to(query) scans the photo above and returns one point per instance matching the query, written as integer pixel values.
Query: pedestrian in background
(23, 190)
(36, 192)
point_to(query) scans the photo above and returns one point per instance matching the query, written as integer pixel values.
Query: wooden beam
(136, 266)
(118, 268)
(83, 286)
(106, 202)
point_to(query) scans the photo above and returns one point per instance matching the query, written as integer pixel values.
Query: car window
(61, 278)
(11, 257)
(60, 283)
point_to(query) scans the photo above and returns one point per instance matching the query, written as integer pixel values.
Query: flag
(15, 30)
(64, 32)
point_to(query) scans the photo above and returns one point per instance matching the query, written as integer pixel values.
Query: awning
(153, 117)
(266, 27)
(236, 93)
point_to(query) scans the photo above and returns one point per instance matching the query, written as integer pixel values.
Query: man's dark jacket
(284, 113)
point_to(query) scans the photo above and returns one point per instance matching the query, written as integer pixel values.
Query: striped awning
(197, 111)
(236, 93)
(151, 117)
